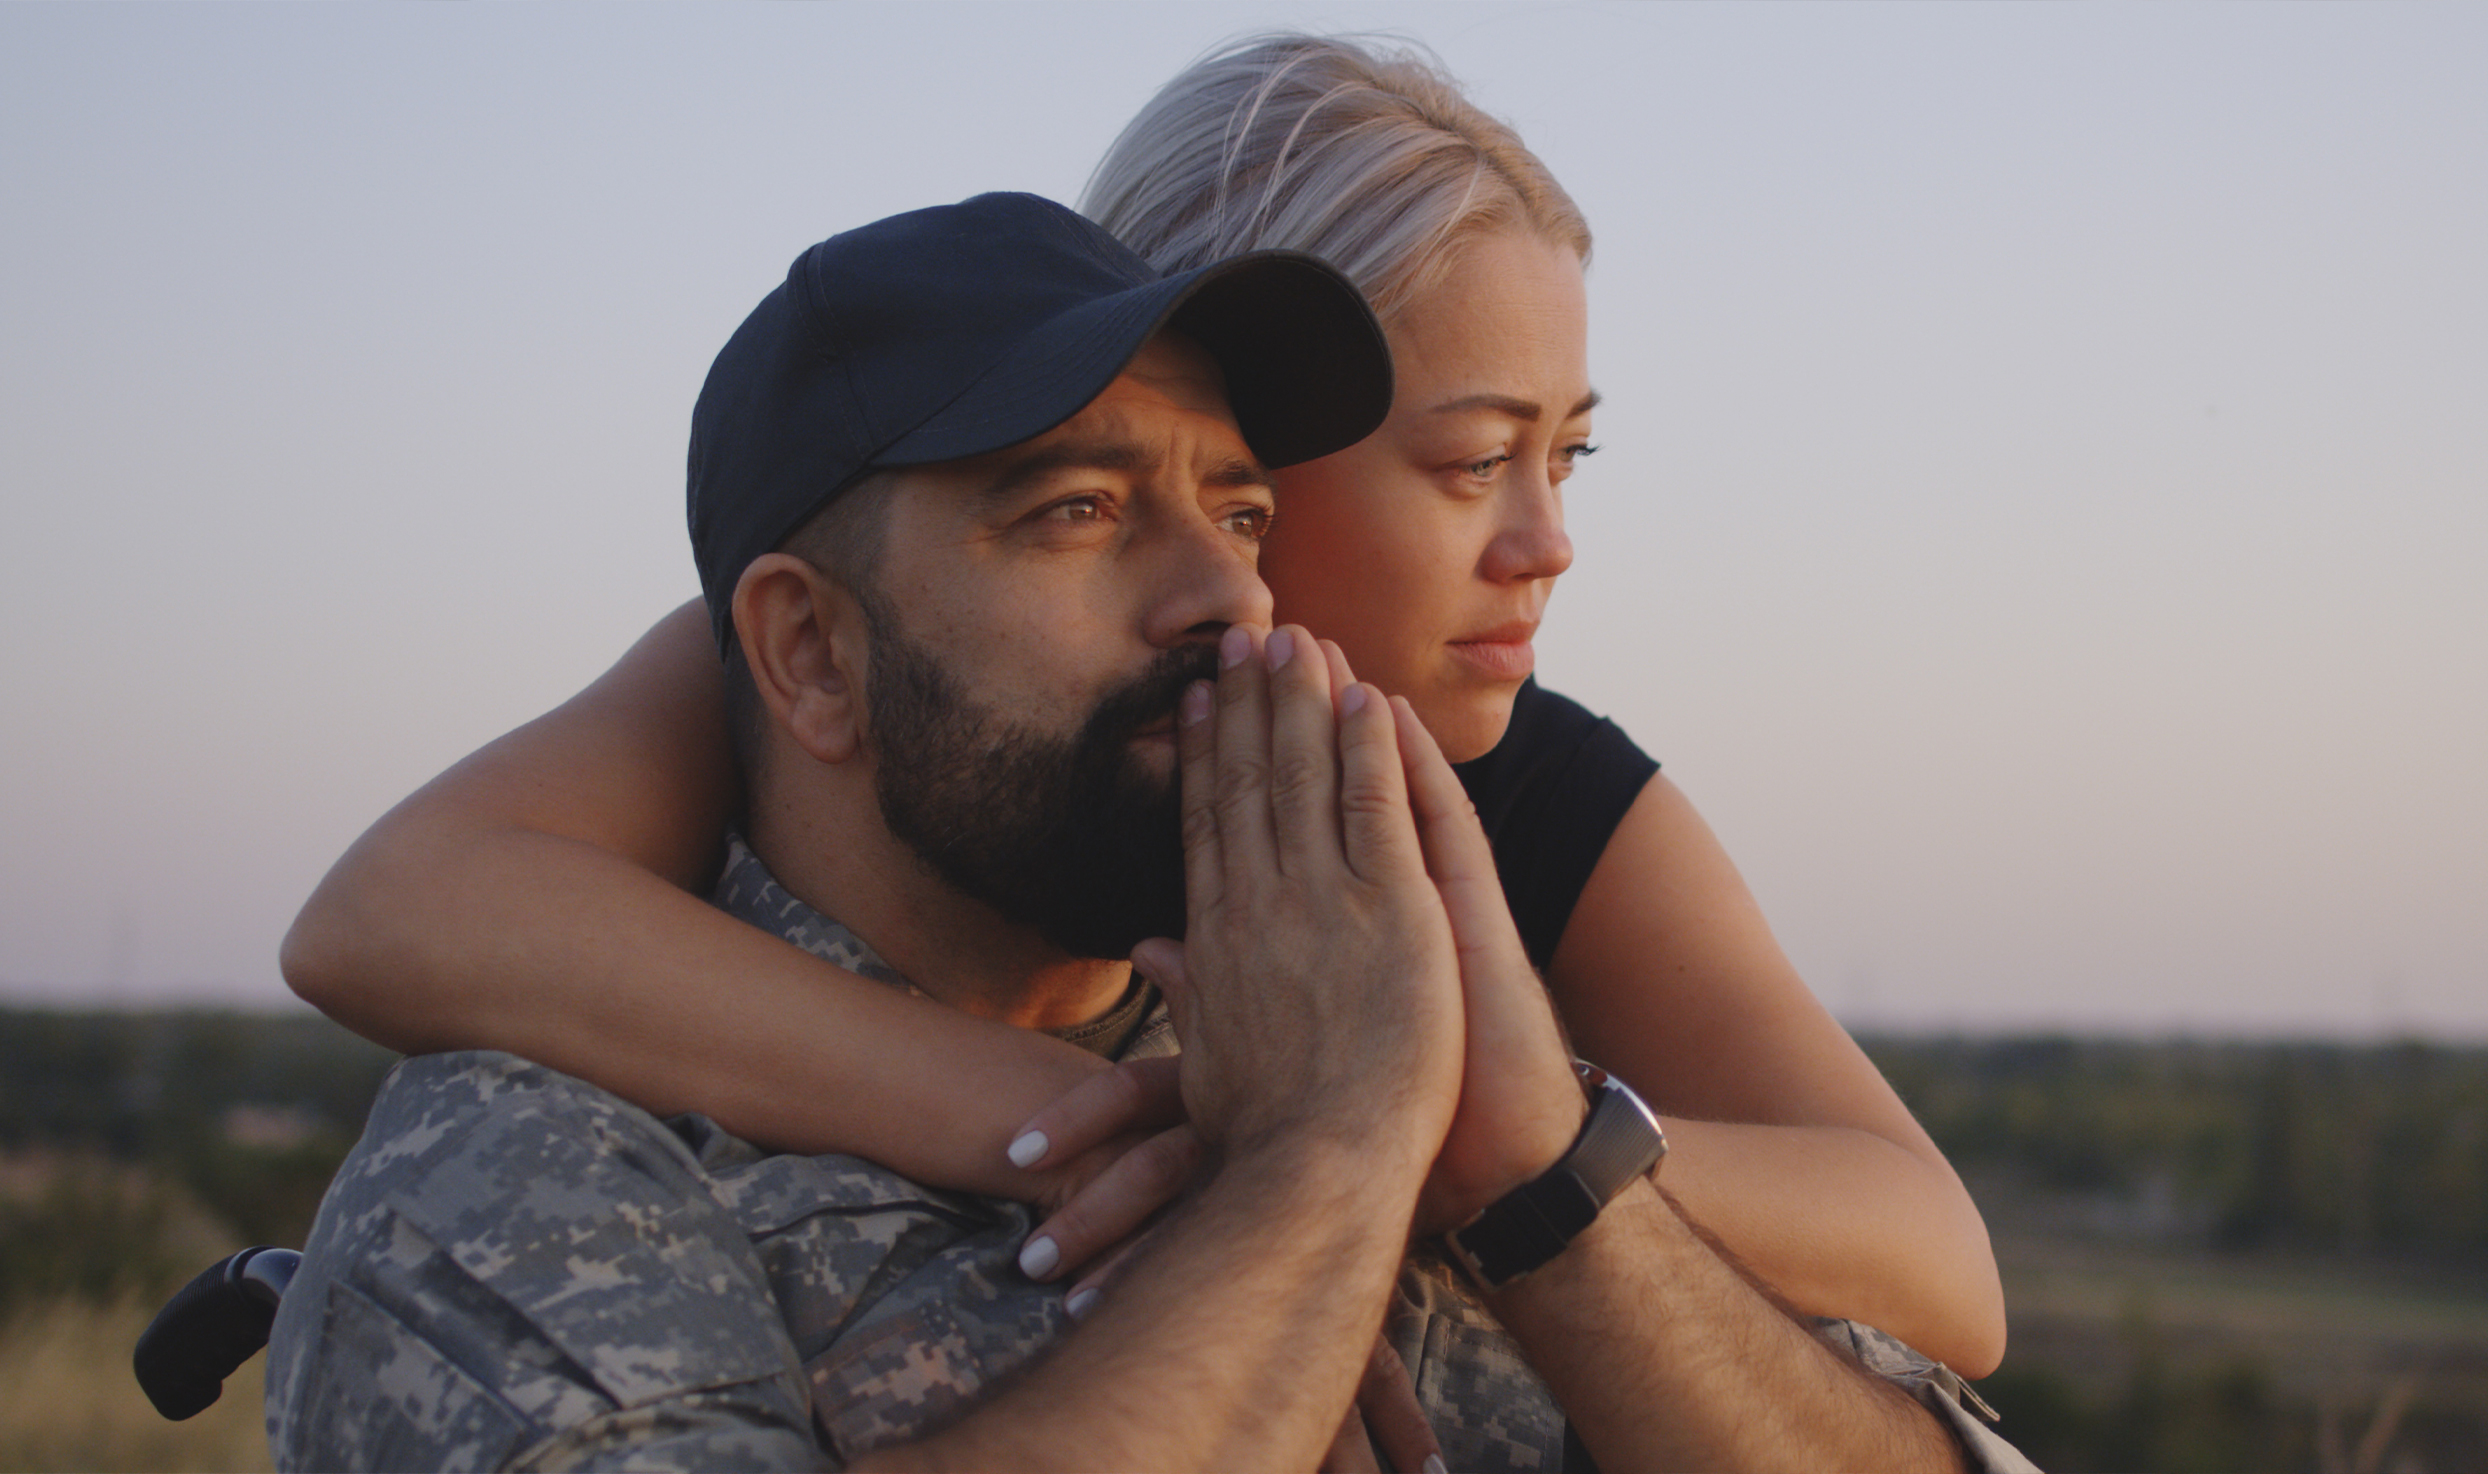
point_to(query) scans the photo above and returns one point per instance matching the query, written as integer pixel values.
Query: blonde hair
(1364, 154)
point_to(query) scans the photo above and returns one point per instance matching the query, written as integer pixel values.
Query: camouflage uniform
(516, 1269)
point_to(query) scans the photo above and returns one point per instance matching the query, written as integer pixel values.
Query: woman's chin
(1467, 723)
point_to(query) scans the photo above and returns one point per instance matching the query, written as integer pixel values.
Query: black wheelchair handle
(217, 1322)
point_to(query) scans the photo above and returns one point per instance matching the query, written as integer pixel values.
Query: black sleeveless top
(1551, 794)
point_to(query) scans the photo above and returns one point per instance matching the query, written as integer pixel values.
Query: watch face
(1621, 1142)
(1641, 1108)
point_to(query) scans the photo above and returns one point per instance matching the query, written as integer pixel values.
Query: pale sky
(2042, 519)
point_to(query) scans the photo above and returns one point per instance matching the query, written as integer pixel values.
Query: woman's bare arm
(1826, 1186)
(544, 896)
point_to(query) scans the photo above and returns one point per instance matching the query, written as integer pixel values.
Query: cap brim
(1307, 370)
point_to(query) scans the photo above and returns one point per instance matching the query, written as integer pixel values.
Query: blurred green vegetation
(141, 1085)
(2338, 1148)
(2221, 1256)
(134, 1145)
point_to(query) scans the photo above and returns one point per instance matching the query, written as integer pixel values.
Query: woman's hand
(1114, 1151)
(1520, 1105)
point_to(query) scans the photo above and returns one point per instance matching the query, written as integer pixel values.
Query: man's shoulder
(485, 1114)
(531, 1182)
(581, 1264)
(539, 1255)
(430, 1100)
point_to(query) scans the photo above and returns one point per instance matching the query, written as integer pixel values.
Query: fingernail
(1233, 646)
(1079, 1302)
(1434, 1464)
(1352, 699)
(1195, 703)
(1029, 1149)
(1278, 649)
(1038, 1257)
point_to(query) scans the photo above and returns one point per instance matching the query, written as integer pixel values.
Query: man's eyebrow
(1120, 456)
(1238, 472)
(1067, 455)
(1519, 409)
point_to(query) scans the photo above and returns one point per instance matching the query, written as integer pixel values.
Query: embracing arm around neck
(546, 896)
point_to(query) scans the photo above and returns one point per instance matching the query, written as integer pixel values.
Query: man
(975, 497)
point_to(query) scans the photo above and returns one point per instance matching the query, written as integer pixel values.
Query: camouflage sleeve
(515, 1270)
(1935, 1385)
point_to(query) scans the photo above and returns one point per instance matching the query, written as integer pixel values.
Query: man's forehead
(1172, 387)
(1182, 369)
(1170, 374)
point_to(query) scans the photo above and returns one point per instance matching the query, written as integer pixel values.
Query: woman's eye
(1486, 467)
(1573, 453)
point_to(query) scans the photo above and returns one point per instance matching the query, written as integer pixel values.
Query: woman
(543, 895)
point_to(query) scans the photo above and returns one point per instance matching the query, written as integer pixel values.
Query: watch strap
(1525, 1227)
(1536, 1221)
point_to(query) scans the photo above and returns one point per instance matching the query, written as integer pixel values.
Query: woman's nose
(1531, 543)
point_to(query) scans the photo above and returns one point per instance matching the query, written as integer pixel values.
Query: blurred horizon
(2040, 520)
(176, 1002)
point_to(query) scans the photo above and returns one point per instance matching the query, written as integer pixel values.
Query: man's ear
(804, 640)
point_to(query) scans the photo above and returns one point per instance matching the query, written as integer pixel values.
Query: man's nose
(1203, 580)
(1531, 542)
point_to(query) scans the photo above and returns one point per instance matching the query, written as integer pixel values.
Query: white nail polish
(1079, 1302)
(1434, 1464)
(1028, 1148)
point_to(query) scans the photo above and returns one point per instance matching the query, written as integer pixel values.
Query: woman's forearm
(1825, 1186)
(542, 897)
(1842, 1222)
(562, 953)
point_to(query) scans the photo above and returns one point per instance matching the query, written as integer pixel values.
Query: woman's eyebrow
(1519, 409)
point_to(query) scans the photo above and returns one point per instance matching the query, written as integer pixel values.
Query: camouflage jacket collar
(747, 891)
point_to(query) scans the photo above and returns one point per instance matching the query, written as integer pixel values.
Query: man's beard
(1070, 836)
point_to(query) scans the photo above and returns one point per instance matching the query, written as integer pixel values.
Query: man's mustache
(1150, 696)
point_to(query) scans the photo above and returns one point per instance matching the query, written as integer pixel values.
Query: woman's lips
(1504, 654)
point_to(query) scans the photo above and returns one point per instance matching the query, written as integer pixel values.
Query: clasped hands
(1350, 974)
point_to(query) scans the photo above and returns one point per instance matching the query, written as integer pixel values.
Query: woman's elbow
(323, 953)
(339, 951)
(1975, 1322)
(1982, 1347)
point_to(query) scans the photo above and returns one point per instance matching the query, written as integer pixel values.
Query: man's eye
(1248, 522)
(1077, 509)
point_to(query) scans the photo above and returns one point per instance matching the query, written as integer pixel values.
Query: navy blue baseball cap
(947, 333)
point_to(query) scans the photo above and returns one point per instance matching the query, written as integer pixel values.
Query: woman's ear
(803, 640)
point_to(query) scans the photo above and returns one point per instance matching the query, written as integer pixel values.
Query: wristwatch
(1534, 1222)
